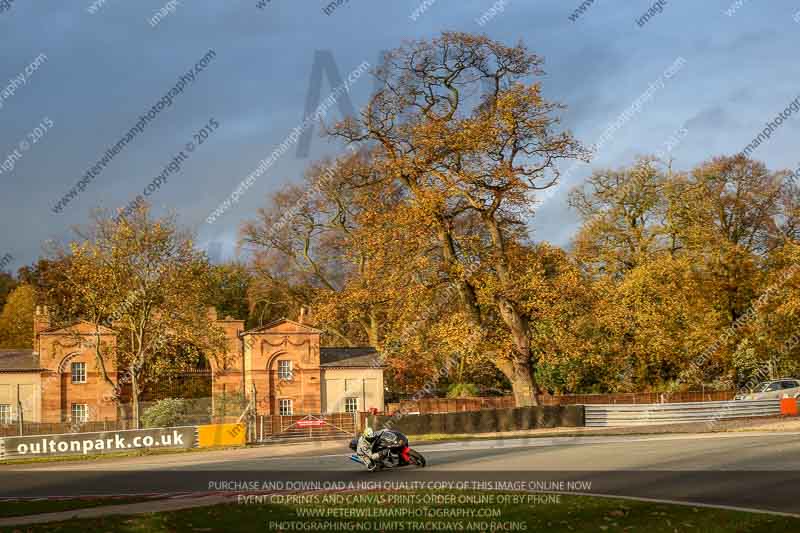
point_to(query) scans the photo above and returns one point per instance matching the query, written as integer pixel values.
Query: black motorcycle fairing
(389, 439)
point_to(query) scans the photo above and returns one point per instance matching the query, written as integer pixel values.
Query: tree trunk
(370, 328)
(519, 368)
(135, 401)
(523, 385)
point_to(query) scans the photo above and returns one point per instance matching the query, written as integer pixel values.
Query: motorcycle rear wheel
(417, 458)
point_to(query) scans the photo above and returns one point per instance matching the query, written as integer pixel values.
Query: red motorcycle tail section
(405, 456)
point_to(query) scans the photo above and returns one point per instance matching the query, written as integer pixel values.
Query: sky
(92, 68)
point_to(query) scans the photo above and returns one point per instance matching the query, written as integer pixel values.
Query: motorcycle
(396, 452)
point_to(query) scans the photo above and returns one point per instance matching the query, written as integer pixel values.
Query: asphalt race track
(747, 470)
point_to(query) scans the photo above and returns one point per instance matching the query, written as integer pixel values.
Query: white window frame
(348, 404)
(5, 413)
(81, 417)
(80, 374)
(283, 403)
(285, 370)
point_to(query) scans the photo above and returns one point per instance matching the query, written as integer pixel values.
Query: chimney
(302, 318)
(41, 321)
(212, 313)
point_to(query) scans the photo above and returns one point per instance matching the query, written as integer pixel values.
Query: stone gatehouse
(280, 367)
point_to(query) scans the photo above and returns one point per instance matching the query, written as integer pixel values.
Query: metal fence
(453, 405)
(268, 428)
(638, 398)
(611, 415)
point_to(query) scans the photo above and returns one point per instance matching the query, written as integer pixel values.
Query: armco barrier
(484, 421)
(616, 415)
(95, 443)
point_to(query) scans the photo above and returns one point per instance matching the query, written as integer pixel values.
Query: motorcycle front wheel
(416, 458)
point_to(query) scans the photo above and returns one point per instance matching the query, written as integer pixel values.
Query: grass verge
(9, 508)
(436, 511)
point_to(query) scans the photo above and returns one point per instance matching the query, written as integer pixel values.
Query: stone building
(58, 380)
(280, 367)
(287, 372)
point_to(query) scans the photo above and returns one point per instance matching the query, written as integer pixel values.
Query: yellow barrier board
(221, 435)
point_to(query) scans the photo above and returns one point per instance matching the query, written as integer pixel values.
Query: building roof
(364, 356)
(19, 361)
(67, 328)
(279, 322)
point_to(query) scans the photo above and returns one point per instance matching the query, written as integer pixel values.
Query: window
(285, 407)
(78, 372)
(285, 370)
(763, 387)
(80, 412)
(789, 384)
(773, 387)
(351, 405)
(5, 413)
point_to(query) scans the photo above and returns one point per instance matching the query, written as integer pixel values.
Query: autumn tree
(683, 257)
(727, 215)
(47, 276)
(771, 341)
(16, 318)
(143, 277)
(462, 126)
(230, 284)
(417, 242)
(306, 254)
(624, 218)
(7, 284)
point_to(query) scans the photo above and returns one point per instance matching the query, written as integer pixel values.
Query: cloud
(104, 69)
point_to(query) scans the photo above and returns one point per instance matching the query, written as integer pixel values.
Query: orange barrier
(789, 406)
(221, 435)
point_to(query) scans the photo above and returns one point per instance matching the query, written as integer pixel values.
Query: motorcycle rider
(364, 449)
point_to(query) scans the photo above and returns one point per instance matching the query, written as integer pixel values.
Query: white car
(772, 390)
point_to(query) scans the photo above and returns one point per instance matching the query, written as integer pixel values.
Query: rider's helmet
(368, 433)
